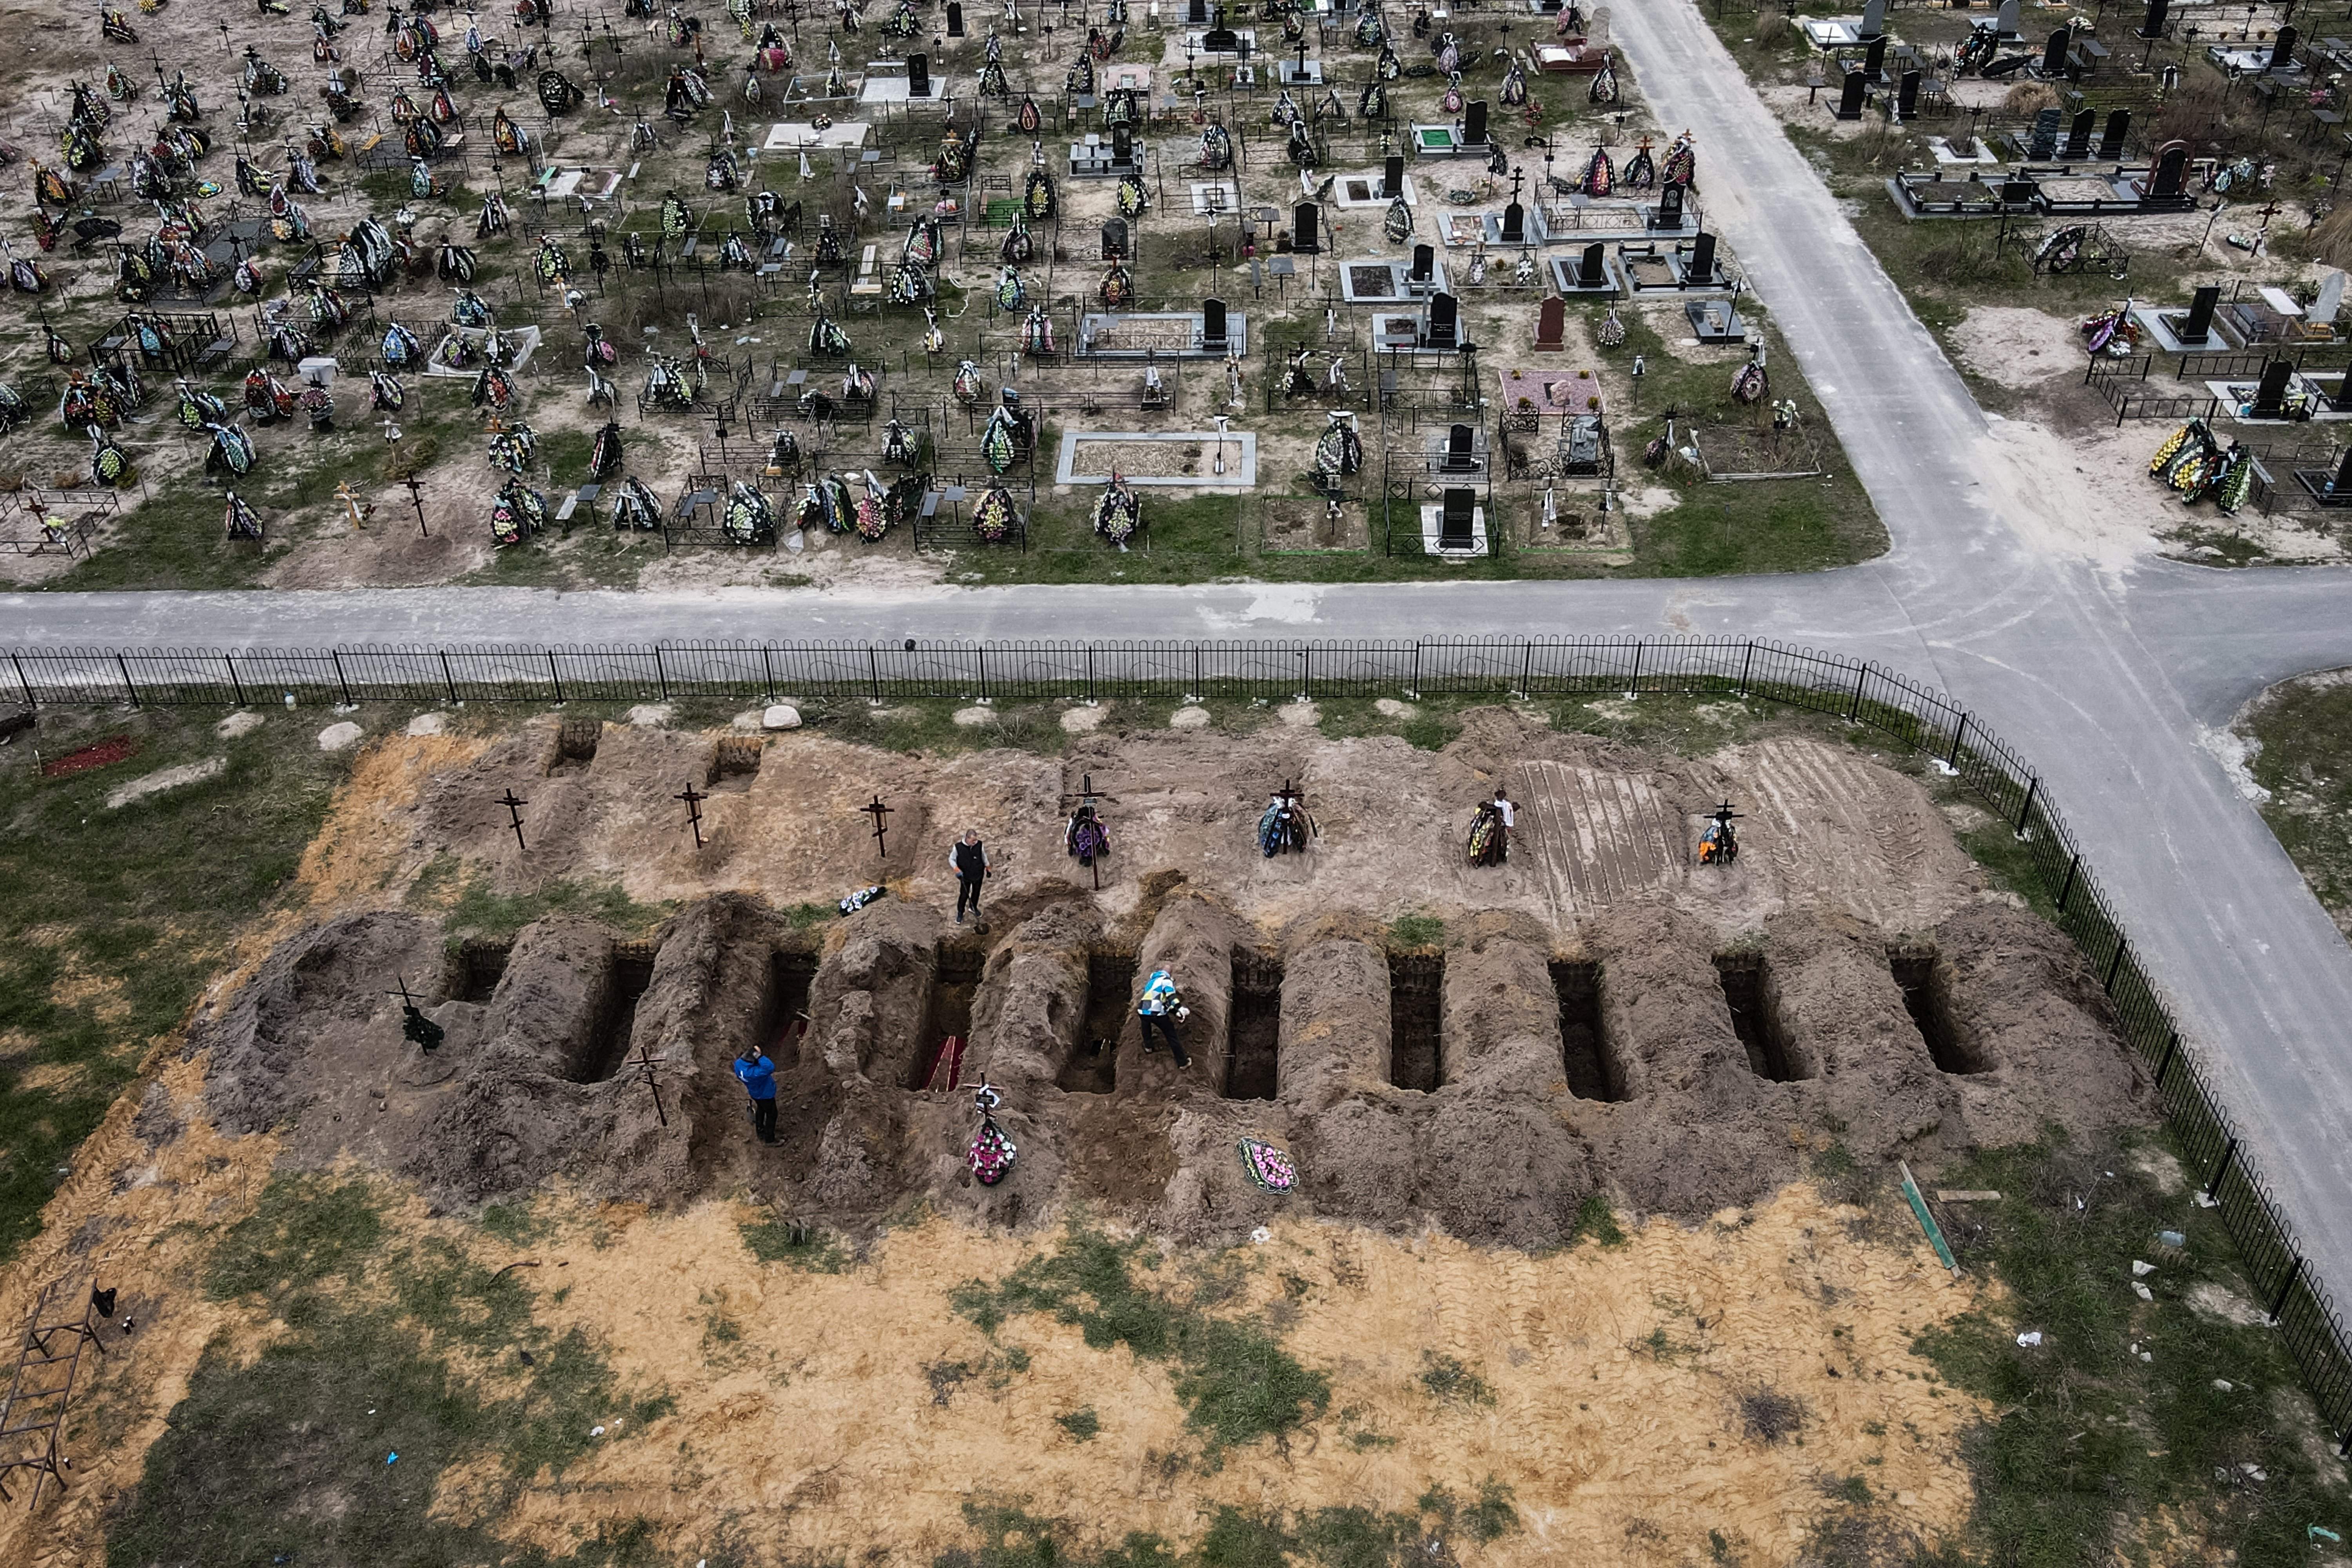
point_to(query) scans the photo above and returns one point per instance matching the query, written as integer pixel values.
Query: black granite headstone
(1305, 235)
(1457, 514)
(1392, 177)
(1196, 13)
(2270, 396)
(1702, 258)
(2342, 483)
(1114, 240)
(1424, 263)
(2078, 135)
(1850, 97)
(2053, 53)
(2171, 164)
(1592, 266)
(1670, 208)
(2041, 142)
(2118, 129)
(1459, 453)
(1122, 147)
(955, 18)
(1213, 324)
(1515, 224)
(2199, 326)
(1474, 124)
(1907, 96)
(1873, 59)
(2282, 51)
(2152, 25)
(1445, 320)
(919, 75)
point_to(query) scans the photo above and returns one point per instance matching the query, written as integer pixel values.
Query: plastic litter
(392, 1458)
(2029, 1340)
(2224, 1384)
(2142, 1270)
(595, 1431)
(2142, 1291)
(1261, 1235)
(2172, 1238)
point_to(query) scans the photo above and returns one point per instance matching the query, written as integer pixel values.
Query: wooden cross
(514, 809)
(878, 811)
(644, 1061)
(1086, 796)
(694, 799)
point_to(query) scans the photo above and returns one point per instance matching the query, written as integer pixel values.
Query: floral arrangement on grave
(1080, 81)
(1010, 292)
(1037, 333)
(1682, 161)
(748, 518)
(1019, 245)
(992, 1153)
(1134, 198)
(1397, 222)
(1268, 1167)
(243, 522)
(519, 513)
(197, 407)
(605, 452)
(511, 447)
(2113, 332)
(1039, 198)
(1120, 512)
(999, 443)
(1368, 28)
(636, 507)
(873, 517)
(1373, 103)
(1029, 117)
(966, 383)
(954, 165)
(231, 453)
(1117, 290)
(993, 517)
(826, 338)
(1515, 86)
(1216, 148)
(1338, 450)
(1604, 82)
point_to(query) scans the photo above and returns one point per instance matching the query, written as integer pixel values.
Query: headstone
(1457, 514)
(2199, 324)
(2324, 310)
(2004, 22)
(2342, 483)
(1460, 454)
(2270, 396)
(1515, 224)
(2078, 135)
(1873, 59)
(1592, 268)
(1907, 96)
(2282, 51)
(1670, 207)
(1551, 322)
(2152, 25)
(2118, 129)
(1196, 13)
(1874, 20)
(1305, 239)
(2053, 53)
(1114, 240)
(1221, 41)
(1122, 147)
(1702, 259)
(2018, 191)
(1424, 263)
(1392, 177)
(2171, 164)
(2041, 142)
(1445, 322)
(1474, 124)
(919, 75)
(1213, 324)
(1856, 89)
(955, 18)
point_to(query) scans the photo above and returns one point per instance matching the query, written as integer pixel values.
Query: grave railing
(1864, 693)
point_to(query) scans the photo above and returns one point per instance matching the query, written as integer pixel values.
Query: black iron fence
(1861, 693)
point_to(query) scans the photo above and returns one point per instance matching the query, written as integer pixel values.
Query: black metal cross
(415, 1025)
(644, 1061)
(514, 809)
(878, 811)
(417, 498)
(694, 799)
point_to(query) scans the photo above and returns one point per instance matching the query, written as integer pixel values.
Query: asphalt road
(2112, 678)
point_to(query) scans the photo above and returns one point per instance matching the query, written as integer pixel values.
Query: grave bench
(869, 277)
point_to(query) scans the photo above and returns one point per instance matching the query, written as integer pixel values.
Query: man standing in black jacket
(969, 859)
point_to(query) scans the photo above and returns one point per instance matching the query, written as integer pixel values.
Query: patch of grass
(2092, 1446)
(330, 1445)
(2304, 730)
(1417, 931)
(1236, 1381)
(1082, 1424)
(480, 910)
(1597, 1221)
(1447, 1378)
(1006, 1534)
(806, 1248)
(119, 917)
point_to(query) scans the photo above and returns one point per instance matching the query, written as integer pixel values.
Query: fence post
(873, 674)
(1413, 690)
(2115, 965)
(767, 673)
(982, 651)
(1199, 685)
(2278, 1302)
(1747, 661)
(2171, 1045)
(1305, 671)
(1528, 668)
(660, 673)
(2229, 1152)
(1090, 673)
(341, 683)
(555, 675)
(2032, 788)
(1854, 706)
(21, 680)
(235, 686)
(1952, 758)
(124, 665)
(1634, 682)
(2067, 886)
(446, 678)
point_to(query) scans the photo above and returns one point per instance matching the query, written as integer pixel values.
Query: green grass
(1445, 1378)
(143, 903)
(480, 911)
(289, 1456)
(2091, 1451)
(2304, 728)
(1235, 1381)
(1595, 1219)
(810, 1251)
(1083, 1425)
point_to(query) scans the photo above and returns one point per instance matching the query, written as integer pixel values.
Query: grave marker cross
(694, 799)
(878, 811)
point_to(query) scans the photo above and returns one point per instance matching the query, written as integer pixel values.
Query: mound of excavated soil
(1599, 1017)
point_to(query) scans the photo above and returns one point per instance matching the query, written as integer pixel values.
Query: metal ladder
(33, 1411)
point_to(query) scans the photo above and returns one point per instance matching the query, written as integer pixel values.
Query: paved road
(2111, 677)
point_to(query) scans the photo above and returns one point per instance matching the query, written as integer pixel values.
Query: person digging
(969, 859)
(759, 1075)
(1161, 1008)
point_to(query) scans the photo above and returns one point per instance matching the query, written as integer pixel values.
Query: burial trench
(1487, 1087)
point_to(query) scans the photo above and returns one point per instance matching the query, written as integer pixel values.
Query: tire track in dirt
(1600, 837)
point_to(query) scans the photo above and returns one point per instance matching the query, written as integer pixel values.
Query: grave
(907, 84)
(1531, 396)
(1715, 321)
(2330, 489)
(1442, 328)
(1907, 96)
(1455, 526)
(1873, 62)
(2078, 136)
(1209, 332)
(1667, 217)
(1551, 322)
(806, 136)
(1215, 198)
(1694, 263)
(812, 90)
(1381, 281)
(2041, 142)
(1456, 451)
(1586, 272)
(523, 340)
(1116, 246)
(2164, 179)
(1185, 458)
(1474, 124)
(955, 18)
(1220, 43)
(2004, 23)
(2198, 329)
(1439, 142)
(1571, 57)
(2053, 52)
(1306, 236)
(2118, 132)
(1827, 34)
(1851, 96)
(1097, 159)
(1364, 190)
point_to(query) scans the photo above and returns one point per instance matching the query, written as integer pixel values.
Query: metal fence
(1860, 692)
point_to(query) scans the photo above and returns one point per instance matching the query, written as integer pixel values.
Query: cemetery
(1389, 1049)
(599, 296)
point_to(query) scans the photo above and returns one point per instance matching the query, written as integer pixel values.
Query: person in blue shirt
(759, 1075)
(1161, 1007)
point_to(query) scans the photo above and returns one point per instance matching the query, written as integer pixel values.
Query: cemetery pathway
(2115, 676)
